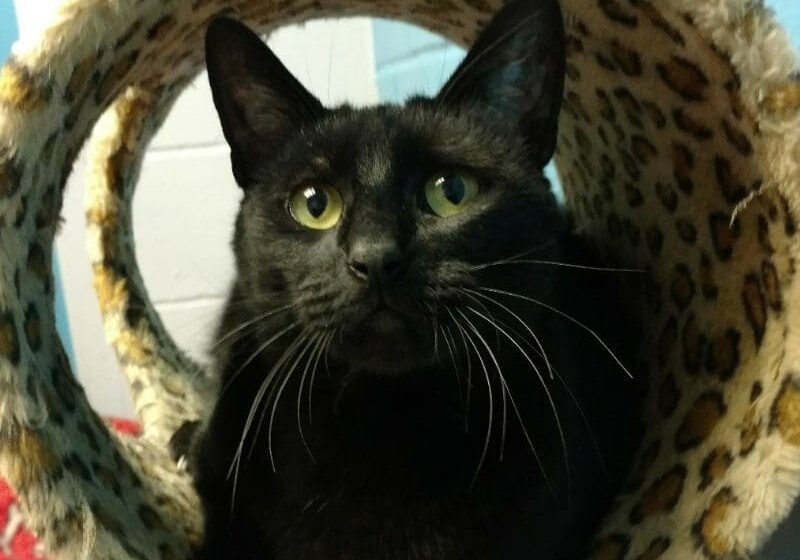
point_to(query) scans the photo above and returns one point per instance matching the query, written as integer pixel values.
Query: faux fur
(679, 151)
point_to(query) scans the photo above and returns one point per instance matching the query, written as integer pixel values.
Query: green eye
(448, 195)
(316, 207)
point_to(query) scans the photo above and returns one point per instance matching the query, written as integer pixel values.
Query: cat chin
(386, 352)
(390, 368)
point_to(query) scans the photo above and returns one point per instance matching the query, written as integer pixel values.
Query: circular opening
(186, 199)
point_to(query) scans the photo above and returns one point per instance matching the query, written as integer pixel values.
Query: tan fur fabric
(680, 154)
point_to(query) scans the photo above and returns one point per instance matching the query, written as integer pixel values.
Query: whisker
(503, 384)
(237, 458)
(253, 356)
(468, 359)
(521, 322)
(327, 348)
(585, 419)
(311, 356)
(435, 343)
(250, 323)
(556, 375)
(566, 316)
(558, 264)
(549, 398)
(466, 292)
(485, 450)
(302, 338)
(447, 334)
(323, 350)
(309, 341)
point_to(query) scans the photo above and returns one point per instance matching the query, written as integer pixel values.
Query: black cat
(407, 369)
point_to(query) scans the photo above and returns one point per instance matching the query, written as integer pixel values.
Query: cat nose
(373, 261)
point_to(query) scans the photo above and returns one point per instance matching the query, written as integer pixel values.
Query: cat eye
(318, 207)
(450, 194)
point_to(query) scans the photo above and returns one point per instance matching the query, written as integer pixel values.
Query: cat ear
(258, 100)
(516, 70)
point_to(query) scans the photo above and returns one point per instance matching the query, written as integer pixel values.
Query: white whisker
(557, 264)
(485, 450)
(253, 356)
(521, 322)
(323, 351)
(549, 398)
(566, 316)
(287, 376)
(311, 357)
(237, 459)
(252, 322)
(504, 394)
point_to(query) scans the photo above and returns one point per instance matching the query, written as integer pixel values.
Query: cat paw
(181, 442)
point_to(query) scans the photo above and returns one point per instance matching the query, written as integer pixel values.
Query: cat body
(404, 372)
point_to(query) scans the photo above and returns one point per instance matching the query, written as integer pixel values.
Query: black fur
(381, 461)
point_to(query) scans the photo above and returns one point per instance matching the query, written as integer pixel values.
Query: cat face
(371, 225)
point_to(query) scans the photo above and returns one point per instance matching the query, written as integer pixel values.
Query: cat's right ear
(258, 100)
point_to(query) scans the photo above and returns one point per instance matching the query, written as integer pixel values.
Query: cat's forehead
(381, 145)
(373, 163)
(365, 143)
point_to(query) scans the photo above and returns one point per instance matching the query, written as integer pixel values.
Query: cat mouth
(385, 339)
(383, 319)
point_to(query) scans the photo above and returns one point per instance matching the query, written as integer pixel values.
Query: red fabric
(17, 543)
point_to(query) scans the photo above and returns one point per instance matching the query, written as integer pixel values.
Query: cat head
(368, 227)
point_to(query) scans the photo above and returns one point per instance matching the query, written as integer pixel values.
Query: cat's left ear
(516, 70)
(260, 103)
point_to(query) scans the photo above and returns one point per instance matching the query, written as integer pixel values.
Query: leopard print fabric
(679, 152)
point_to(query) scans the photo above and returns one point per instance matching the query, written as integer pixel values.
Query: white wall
(186, 201)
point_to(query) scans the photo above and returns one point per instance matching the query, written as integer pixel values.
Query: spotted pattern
(668, 396)
(786, 411)
(700, 420)
(662, 154)
(612, 547)
(684, 78)
(661, 497)
(755, 306)
(693, 344)
(716, 273)
(9, 338)
(723, 234)
(750, 432)
(683, 163)
(682, 286)
(26, 456)
(714, 466)
(19, 91)
(723, 356)
(707, 529)
(655, 549)
(10, 175)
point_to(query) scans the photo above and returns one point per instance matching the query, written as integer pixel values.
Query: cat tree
(679, 152)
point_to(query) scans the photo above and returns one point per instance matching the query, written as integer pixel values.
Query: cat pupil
(316, 201)
(454, 189)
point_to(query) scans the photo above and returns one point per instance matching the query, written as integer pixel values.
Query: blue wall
(8, 27)
(788, 12)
